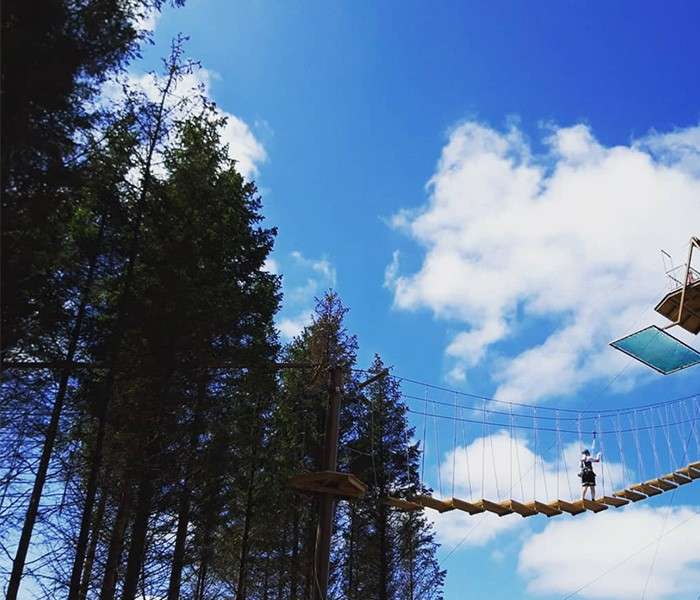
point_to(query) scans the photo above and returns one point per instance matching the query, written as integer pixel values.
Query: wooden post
(324, 533)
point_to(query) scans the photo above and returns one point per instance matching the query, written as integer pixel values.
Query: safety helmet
(586, 451)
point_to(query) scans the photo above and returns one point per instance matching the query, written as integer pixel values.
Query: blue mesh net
(658, 349)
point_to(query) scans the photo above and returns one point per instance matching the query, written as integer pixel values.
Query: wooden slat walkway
(633, 493)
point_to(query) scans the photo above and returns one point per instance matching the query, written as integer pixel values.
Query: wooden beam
(662, 484)
(402, 504)
(595, 506)
(572, 509)
(613, 501)
(544, 509)
(494, 507)
(468, 507)
(430, 502)
(677, 478)
(518, 507)
(646, 489)
(630, 495)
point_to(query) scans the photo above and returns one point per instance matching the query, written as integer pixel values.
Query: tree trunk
(92, 550)
(185, 501)
(52, 429)
(294, 575)
(116, 543)
(138, 537)
(241, 591)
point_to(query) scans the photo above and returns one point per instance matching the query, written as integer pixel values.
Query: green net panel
(658, 350)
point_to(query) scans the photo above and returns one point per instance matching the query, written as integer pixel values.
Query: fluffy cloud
(304, 280)
(570, 236)
(243, 146)
(500, 467)
(623, 548)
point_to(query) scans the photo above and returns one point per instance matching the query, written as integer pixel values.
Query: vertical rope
(454, 449)
(693, 429)
(437, 456)
(483, 447)
(510, 449)
(652, 434)
(495, 472)
(466, 456)
(425, 438)
(558, 441)
(621, 451)
(635, 435)
(534, 458)
(681, 433)
(602, 455)
(671, 457)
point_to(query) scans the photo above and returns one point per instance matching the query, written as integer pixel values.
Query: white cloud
(291, 327)
(243, 146)
(572, 236)
(501, 467)
(304, 280)
(271, 266)
(321, 266)
(591, 546)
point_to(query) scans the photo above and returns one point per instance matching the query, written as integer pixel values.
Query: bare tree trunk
(92, 550)
(183, 516)
(243, 560)
(138, 536)
(294, 581)
(52, 429)
(109, 581)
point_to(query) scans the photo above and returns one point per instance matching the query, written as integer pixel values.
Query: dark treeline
(149, 455)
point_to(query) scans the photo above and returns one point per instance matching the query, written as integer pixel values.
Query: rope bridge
(507, 457)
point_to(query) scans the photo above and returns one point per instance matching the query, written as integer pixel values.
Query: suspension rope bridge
(500, 460)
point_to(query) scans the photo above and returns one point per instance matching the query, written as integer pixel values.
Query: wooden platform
(646, 489)
(518, 507)
(465, 506)
(630, 495)
(402, 504)
(343, 485)
(494, 507)
(544, 509)
(670, 304)
(613, 501)
(678, 478)
(569, 507)
(430, 502)
(662, 484)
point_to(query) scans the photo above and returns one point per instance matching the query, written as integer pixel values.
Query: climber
(587, 474)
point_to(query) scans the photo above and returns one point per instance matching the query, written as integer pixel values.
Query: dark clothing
(587, 474)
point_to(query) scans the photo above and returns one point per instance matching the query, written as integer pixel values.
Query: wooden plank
(595, 506)
(647, 489)
(430, 502)
(468, 507)
(613, 501)
(695, 465)
(630, 495)
(662, 484)
(677, 478)
(494, 507)
(519, 508)
(688, 472)
(568, 507)
(402, 504)
(543, 509)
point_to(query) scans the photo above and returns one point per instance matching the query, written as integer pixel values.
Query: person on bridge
(587, 474)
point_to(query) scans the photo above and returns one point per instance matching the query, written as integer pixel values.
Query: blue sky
(540, 111)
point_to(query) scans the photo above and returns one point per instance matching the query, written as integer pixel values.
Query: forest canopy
(148, 431)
